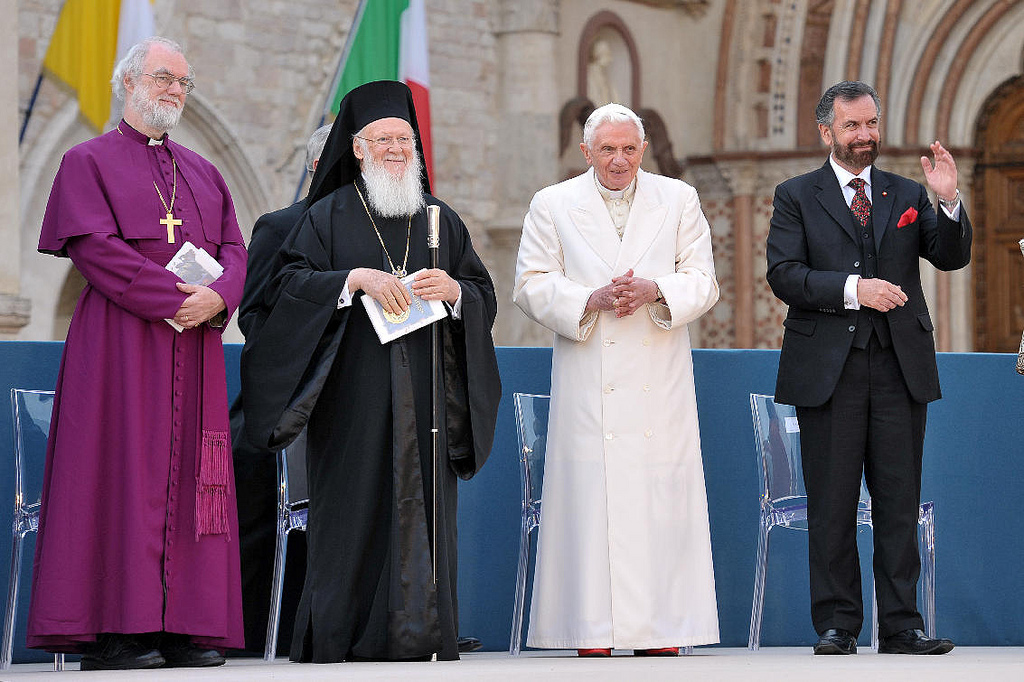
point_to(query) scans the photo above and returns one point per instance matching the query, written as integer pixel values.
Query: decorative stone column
(14, 310)
(742, 178)
(527, 34)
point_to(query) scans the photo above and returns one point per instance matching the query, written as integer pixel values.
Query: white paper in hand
(194, 266)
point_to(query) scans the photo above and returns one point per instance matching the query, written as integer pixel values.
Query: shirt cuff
(954, 214)
(456, 308)
(850, 301)
(345, 297)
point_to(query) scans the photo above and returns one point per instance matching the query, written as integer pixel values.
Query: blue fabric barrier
(973, 471)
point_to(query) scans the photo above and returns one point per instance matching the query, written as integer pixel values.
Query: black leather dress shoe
(836, 641)
(180, 652)
(913, 642)
(467, 644)
(114, 651)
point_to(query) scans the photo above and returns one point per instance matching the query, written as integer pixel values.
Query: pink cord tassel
(211, 491)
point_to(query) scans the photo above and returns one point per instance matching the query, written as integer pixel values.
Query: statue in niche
(600, 89)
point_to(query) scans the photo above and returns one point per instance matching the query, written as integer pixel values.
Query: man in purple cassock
(136, 562)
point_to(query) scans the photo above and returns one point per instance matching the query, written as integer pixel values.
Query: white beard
(393, 197)
(154, 114)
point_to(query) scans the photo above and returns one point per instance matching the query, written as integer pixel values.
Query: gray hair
(610, 113)
(133, 62)
(846, 91)
(315, 146)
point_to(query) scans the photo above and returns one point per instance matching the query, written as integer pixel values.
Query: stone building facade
(727, 88)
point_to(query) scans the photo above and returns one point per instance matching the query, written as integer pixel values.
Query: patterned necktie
(861, 205)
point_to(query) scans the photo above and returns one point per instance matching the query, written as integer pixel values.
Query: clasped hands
(431, 285)
(201, 305)
(624, 295)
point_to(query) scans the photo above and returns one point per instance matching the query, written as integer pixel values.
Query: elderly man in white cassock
(616, 262)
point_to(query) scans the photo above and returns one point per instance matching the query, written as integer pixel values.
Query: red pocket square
(909, 216)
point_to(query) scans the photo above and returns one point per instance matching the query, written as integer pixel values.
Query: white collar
(844, 176)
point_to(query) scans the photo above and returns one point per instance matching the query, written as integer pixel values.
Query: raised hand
(941, 176)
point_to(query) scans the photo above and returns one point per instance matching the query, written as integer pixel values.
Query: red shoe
(667, 651)
(594, 653)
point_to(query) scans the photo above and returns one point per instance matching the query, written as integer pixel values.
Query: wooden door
(999, 222)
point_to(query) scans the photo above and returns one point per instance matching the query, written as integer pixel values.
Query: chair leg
(515, 640)
(7, 646)
(874, 614)
(276, 591)
(926, 545)
(58, 662)
(760, 569)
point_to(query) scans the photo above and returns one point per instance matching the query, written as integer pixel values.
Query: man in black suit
(858, 359)
(255, 467)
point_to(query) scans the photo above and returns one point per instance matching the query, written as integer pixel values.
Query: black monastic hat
(364, 104)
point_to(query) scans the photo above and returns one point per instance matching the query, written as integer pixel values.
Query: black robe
(369, 592)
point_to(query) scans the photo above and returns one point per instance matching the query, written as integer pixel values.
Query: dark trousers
(869, 425)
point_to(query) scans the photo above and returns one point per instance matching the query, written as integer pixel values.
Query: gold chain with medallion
(397, 272)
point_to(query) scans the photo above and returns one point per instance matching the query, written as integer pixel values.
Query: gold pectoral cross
(170, 221)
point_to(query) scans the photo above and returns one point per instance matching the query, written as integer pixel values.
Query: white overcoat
(624, 556)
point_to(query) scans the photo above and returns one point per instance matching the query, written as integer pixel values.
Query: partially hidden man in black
(858, 359)
(369, 592)
(256, 467)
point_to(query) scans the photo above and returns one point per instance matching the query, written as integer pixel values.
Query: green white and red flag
(388, 41)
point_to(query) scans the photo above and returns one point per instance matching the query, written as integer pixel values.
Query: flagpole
(336, 81)
(31, 105)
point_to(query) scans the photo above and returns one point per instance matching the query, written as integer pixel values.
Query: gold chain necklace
(397, 272)
(170, 222)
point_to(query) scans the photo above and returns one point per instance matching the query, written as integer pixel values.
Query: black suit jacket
(813, 246)
(255, 466)
(267, 236)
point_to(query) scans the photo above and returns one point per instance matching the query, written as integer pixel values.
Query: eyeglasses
(404, 142)
(629, 151)
(164, 80)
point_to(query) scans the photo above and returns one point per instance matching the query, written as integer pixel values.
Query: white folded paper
(194, 266)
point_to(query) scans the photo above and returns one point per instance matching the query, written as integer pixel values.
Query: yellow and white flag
(91, 36)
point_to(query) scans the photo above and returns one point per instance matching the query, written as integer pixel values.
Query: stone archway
(999, 193)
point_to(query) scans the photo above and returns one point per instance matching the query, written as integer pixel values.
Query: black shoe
(467, 644)
(836, 641)
(913, 642)
(120, 652)
(180, 652)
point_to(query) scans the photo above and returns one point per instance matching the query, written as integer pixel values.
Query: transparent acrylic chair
(784, 503)
(532, 430)
(31, 411)
(292, 512)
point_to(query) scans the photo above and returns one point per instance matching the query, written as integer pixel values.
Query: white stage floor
(982, 664)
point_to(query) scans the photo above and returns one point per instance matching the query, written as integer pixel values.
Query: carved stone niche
(608, 70)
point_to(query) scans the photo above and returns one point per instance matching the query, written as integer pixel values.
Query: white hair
(315, 146)
(610, 113)
(133, 62)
